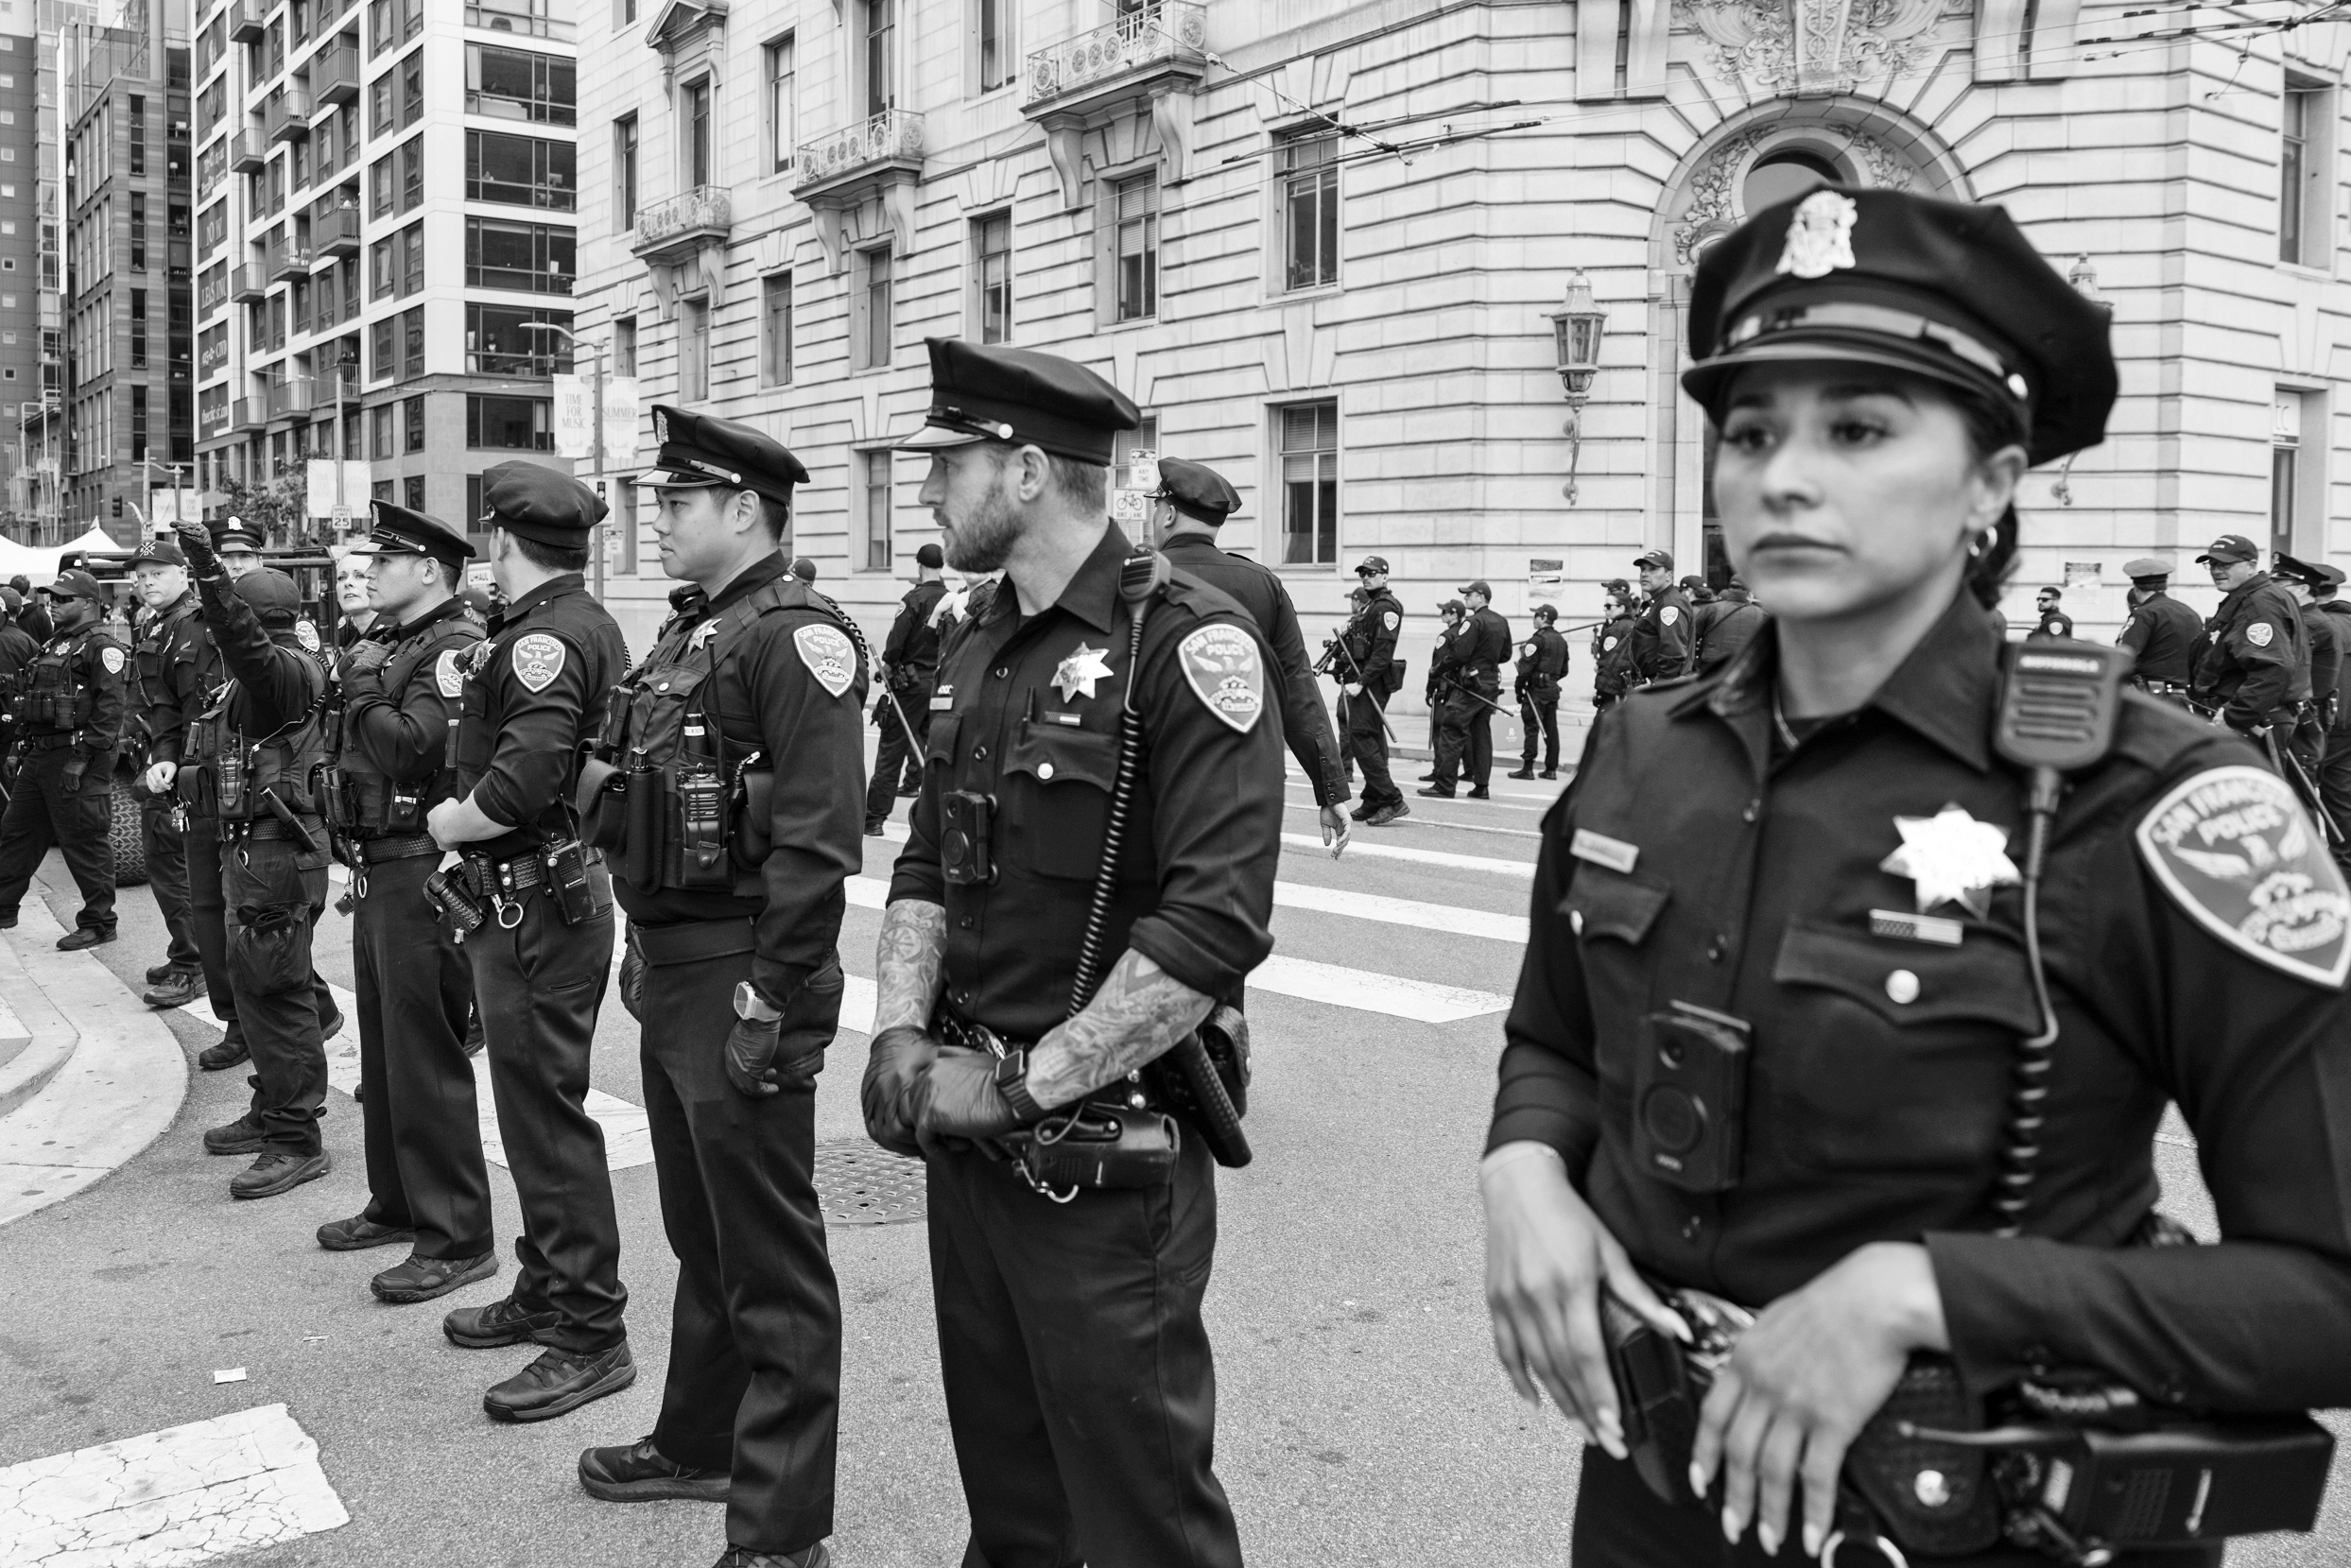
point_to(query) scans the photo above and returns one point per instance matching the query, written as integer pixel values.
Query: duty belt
(51, 741)
(268, 828)
(381, 850)
(1132, 1094)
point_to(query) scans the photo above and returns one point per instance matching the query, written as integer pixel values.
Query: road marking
(1422, 1001)
(1495, 805)
(873, 892)
(182, 1495)
(1362, 850)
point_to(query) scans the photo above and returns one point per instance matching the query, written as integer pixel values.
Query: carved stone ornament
(1811, 47)
(1715, 207)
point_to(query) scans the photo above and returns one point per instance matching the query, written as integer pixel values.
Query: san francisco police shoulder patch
(2234, 850)
(448, 674)
(307, 636)
(827, 653)
(112, 659)
(1226, 674)
(538, 660)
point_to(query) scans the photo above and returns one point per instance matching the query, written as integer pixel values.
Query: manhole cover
(859, 1183)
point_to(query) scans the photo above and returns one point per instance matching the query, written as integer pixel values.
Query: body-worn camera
(966, 823)
(1689, 1097)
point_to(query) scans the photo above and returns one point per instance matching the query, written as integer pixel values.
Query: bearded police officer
(910, 668)
(2161, 632)
(251, 762)
(1542, 664)
(1078, 1383)
(1665, 638)
(1192, 502)
(1368, 674)
(68, 707)
(2255, 670)
(534, 691)
(2049, 620)
(427, 1182)
(169, 661)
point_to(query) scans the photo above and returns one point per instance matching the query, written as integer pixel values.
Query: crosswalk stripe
(1357, 849)
(185, 1494)
(1500, 801)
(873, 892)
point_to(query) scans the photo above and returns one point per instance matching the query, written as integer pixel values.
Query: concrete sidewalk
(98, 1078)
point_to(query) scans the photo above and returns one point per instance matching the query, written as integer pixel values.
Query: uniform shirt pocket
(1601, 901)
(939, 744)
(1057, 783)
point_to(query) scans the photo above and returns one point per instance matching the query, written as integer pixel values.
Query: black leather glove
(196, 543)
(367, 656)
(71, 774)
(750, 1056)
(898, 1058)
(957, 1099)
(633, 981)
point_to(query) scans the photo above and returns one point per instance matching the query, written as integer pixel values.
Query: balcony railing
(244, 18)
(289, 261)
(248, 281)
(894, 136)
(291, 399)
(248, 151)
(1169, 35)
(247, 415)
(668, 231)
(288, 115)
(334, 233)
(334, 74)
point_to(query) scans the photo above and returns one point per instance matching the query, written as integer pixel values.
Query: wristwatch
(1012, 1083)
(749, 1003)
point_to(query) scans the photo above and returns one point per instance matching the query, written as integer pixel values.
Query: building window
(396, 21)
(138, 231)
(875, 492)
(138, 328)
(992, 276)
(384, 353)
(520, 170)
(527, 256)
(693, 350)
(870, 348)
(697, 147)
(412, 345)
(783, 100)
(412, 489)
(2305, 196)
(135, 134)
(512, 84)
(991, 42)
(2284, 468)
(499, 341)
(396, 98)
(625, 346)
(138, 422)
(1309, 166)
(509, 425)
(1134, 245)
(1308, 434)
(625, 169)
(384, 187)
(412, 418)
(877, 51)
(380, 430)
(775, 330)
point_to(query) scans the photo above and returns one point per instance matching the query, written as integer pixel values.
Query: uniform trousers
(208, 920)
(755, 1347)
(1464, 741)
(895, 759)
(422, 1122)
(273, 894)
(80, 821)
(1621, 1523)
(1365, 743)
(2334, 783)
(540, 986)
(167, 875)
(1539, 715)
(1079, 1388)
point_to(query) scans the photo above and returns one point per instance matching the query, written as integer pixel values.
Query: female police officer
(1799, 874)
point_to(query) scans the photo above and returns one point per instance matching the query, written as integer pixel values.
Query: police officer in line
(1192, 502)
(18, 646)
(533, 695)
(2333, 776)
(732, 968)
(1077, 1368)
(1452, 618)
(2161, 632)
(239, 546)
(1665, 638)
(251, 762)
(1542, 664)
(1612, 645)
(1466, 704)
(68, 708)
(401, 685)
(1728, 623)
(2051, 621)
(1368, 674)
(171, 648)
(29, 612)
(2253, 673)
(2322, 659)
(909, 669)
(1835, 883)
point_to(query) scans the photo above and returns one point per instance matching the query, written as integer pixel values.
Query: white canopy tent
(38, 562)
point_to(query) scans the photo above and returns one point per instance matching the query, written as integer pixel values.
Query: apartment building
(20, 365)
(350, 304)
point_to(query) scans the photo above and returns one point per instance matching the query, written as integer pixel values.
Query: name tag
(1600, 850)
(941, 703)
(1071, 720)
(1934, 929)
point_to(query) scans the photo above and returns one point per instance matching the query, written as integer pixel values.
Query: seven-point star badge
(1953, 858)
(1081, 670)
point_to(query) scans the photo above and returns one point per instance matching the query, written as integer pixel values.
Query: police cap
(75, 585)
(1372, 566)
(2297, 570)
(1453, 607)
(157, 552)
(1020, 395)
(399, 531)
(1546, 612)
(1478, 586)
(536, 503)
(236, 534)
(1198, 490)
(928, 555)
(1944, 289)
(702, 451)
(2147, 569)
(12, 599)
(2228, 551)
(1662, 560)
(272, 596)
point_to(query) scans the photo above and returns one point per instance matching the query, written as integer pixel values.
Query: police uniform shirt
(1694, 861)
(17, 649)
(178, 668)
(402, 730)
(1486, 649)
(280, 676)
(1451, 657)
(1664, 639)
(1375, 627)
(912, 648)
(2338, 616)
(1551, 661)
(1613, 651)
(2325, 653)
(2160, 633)
(535, 689)
(2054, 622)
(1033, 719)
(782, 688)
(99, 667)
(2257, 662)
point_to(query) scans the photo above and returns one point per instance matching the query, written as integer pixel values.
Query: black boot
(422, 1278)
(359, 1232)
(83, 935)
(242, 1136)
(560, 1382)
(276, 1172)
(505, 1322)
(638, 1474)
(1525, 770)
(230, 1052)
(176, 989)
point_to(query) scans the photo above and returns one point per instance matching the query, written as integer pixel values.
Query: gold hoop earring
(1985, 541)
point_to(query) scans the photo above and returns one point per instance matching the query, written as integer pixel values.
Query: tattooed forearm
(910, 965)
(1138, 1015)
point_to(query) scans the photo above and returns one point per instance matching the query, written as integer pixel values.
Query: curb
(49, 1037)
(115, 1088)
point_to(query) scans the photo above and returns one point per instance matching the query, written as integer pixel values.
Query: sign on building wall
(1132, 502)
(1544, 580)
(620, 422)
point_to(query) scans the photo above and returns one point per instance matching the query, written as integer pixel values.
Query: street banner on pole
(575, 416)
(320, 499)
(620, 422)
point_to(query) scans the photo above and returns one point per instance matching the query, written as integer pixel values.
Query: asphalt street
(1361, 1417)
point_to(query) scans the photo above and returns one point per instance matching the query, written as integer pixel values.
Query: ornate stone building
(1330, 249)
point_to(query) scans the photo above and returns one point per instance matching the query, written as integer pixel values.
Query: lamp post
(2085, 279)
(1575, 339)
(596, 557)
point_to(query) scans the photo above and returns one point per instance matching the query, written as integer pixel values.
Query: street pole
(602, 545)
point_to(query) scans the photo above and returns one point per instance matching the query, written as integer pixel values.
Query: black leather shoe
(81, 937)
(1435, 794)
(560, 1382)
(359, 1232)
(1526, 772)
(214, 1059)
(275, 1173)
(7, 921)
(358, 1093)
(156, 973)
(818, 1556)
(422, 1278)
(874, 829)
(1479, 794)
(1548, 773)
(910, 792)
(638, 1474)
(332, 1024)
(1359, 813)
(504, 1321)
(242, 1136)
(176, 989)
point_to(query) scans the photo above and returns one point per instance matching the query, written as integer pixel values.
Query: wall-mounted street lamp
(1576, 339)
(2084, 280)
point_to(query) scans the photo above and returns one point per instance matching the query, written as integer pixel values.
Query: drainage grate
(859, 1183)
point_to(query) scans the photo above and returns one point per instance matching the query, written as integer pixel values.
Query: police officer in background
(239, 545)
(2051, 621)
(2161, 632)
(1191, 504)
(1079, 1382)
(68, 705)
(28, 612)
(2254, 673)
(252, 757)
(168, 658)
(1542, 664)
(1664, 639)
(734, 969)
(1834, 882)
(909, 669)
(534, 694)
(1437, 690)
(1728, 625)
(1472, 681)
(2334, 771)
(1368, 674)
(2322, 659)
(1613, 647)
(401, 685)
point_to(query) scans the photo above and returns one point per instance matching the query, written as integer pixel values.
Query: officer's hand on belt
(895, 1062)
(958, 1099)
(196, 543)
(160, 775)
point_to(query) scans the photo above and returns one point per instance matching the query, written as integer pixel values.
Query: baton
(1454, 685)
(1342, 646)
(914, 746)
(2283, 758)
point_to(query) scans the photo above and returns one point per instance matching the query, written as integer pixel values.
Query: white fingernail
(1698, 1480)
(1770, 1539)
(1811, 1539)
(1730, 1526)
